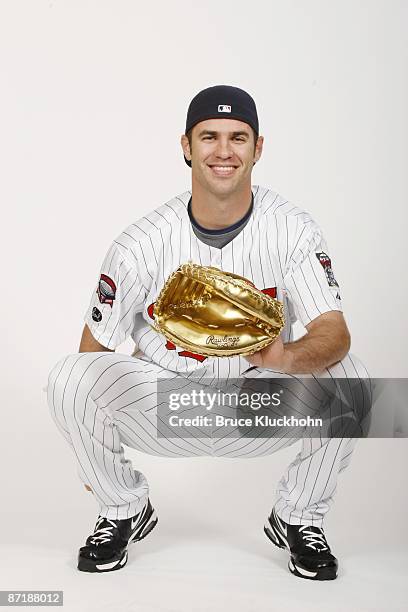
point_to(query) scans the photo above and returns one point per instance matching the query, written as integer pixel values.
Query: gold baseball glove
(211, 312)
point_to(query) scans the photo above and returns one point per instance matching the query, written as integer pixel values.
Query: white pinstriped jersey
(281, 250)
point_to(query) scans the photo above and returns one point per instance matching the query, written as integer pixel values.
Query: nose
(223, 150)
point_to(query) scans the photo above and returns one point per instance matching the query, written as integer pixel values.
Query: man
(101, 400)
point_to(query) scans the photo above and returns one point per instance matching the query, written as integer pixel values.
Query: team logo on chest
(326, 263)
(271, 291)
(106, 290)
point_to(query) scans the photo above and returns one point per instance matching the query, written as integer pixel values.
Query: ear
(185, 145)
(258, 148)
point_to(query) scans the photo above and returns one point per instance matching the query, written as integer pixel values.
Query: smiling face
(222, 153)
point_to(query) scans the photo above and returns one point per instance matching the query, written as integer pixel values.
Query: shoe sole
(86, 565)
(276, 538)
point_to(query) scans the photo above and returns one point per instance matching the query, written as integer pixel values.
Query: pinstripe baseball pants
(102, 400)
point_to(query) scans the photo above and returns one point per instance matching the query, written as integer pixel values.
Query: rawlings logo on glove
(224, 342)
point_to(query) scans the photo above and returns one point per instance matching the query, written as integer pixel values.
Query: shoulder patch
(327, 267)
(106, 290)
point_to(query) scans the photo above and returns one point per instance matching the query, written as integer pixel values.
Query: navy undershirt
(218, 238)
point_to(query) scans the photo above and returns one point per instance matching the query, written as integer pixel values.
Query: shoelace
(104, 534)
(315, 540)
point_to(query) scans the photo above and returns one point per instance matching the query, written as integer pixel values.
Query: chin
(223, 187)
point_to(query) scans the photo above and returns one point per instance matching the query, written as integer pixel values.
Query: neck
(214, 211)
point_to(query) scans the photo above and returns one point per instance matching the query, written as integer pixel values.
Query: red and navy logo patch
(106, 290)
(327, 267)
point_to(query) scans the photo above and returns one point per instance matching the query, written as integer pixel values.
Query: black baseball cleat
(106, 549)
(310, 555)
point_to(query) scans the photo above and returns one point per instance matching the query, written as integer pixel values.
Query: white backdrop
(93, 102)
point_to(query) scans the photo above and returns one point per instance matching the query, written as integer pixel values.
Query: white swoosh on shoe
(136, 519)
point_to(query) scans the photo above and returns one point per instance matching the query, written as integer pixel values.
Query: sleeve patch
(96, 314)
(327, 267)
(106, 290)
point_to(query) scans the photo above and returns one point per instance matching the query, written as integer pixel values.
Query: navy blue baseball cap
(222, 102)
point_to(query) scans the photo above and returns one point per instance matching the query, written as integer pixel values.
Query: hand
(273, 356)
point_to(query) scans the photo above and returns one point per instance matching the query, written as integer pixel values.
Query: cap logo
(224, 108)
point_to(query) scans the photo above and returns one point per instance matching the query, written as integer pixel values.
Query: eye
(239, 138)
(208, 137)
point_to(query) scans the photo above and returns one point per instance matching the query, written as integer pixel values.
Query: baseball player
(102, 400)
